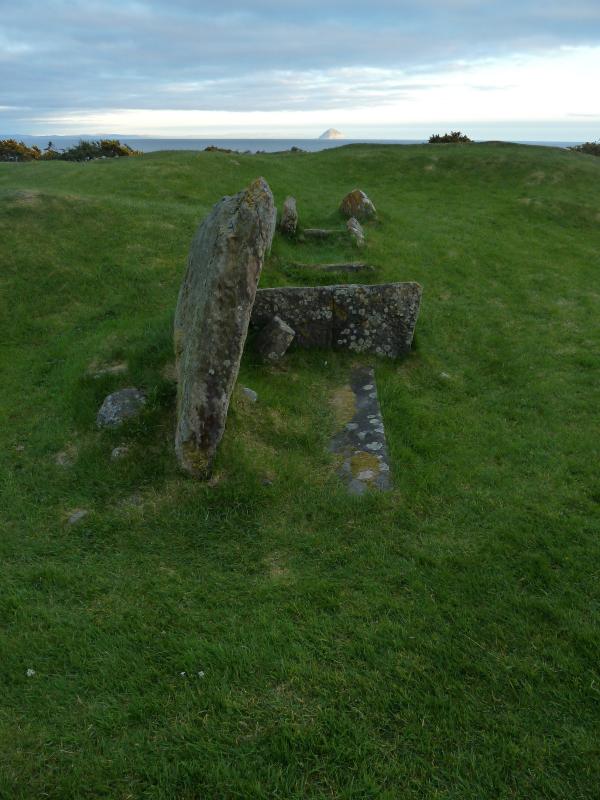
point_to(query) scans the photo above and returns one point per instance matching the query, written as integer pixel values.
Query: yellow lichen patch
(343, 402)
(178, 342)
(195, 460)
(364, 462)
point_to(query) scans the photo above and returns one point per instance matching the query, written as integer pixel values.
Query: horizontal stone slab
(378, 318)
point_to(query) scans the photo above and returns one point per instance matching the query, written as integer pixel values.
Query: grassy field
(268, 636)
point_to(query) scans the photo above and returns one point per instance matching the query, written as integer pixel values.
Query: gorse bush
(591, 148)
(453, 136)
(11, 150)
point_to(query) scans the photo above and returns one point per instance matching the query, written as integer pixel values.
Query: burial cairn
(219, 301)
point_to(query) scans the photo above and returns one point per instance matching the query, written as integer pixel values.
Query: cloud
(64, 57)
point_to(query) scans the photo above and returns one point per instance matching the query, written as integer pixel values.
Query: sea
(149, 145)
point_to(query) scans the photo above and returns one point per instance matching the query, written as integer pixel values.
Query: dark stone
(362, 443)
(346, 266)
(211, 321)
(289, 217)
(274, 339)
(308, 310)
(357, 204)
(377, 318)
(120, 406)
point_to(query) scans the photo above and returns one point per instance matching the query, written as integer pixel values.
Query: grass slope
(440, 641)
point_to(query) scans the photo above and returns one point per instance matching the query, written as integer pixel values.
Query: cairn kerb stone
(378, 318)
(212, 316)
(289, 217)
(120, 406)
(274, 339)
(356, 204)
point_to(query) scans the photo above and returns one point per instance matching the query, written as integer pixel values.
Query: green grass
(440, 641)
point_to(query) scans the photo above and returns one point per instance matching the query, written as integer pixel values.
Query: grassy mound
(266, 635)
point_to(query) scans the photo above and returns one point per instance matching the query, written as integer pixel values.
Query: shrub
(453, 136)
(11, 150)
(105, 148)
(591, 148)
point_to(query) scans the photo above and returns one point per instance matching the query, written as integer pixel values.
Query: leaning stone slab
(289, 217)
(378, 318)
(361, 443)
(355, 229)
(274, 339)
(211, 320)
(120, 406)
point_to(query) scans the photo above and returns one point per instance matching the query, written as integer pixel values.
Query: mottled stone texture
(211, 321)
(361, 442)
(357, 204)
(289, 217)
(274, 339)
(376, 318)
(120, 406)
(308, 310)
(355, 229)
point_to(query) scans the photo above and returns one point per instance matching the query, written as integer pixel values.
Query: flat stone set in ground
(361, 443)
(217, 303)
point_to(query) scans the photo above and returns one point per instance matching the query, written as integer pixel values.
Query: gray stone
(77, 516)
(274, 339)
(355, 229)
(250, 394)
(357, 204)
(119, 452)
(289, 217)
(361, 443)
(320, 233)
(120, 406)
(378, 318)
(211, 321)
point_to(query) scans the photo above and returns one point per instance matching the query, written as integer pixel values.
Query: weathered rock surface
(289, 217)
(355, 229)
(361, 443)
(345, 266)
(356, 204)
(274, 339)
(120, 406)
(378, 318)
(211, 321)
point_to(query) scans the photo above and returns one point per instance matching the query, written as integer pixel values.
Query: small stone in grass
(30, 673)
(250, 394)
(119, 452)
(77, 516)
(119, 406)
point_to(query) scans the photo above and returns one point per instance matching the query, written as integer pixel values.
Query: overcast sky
(521, 69)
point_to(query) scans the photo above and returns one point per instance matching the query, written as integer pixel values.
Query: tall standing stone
(289, 216)
(211, 321)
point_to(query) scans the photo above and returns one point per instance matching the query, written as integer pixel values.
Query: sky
(517, 69)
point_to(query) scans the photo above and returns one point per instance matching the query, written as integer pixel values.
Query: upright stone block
(212, 316)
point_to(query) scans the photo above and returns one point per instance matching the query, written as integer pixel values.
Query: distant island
(331, 133)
